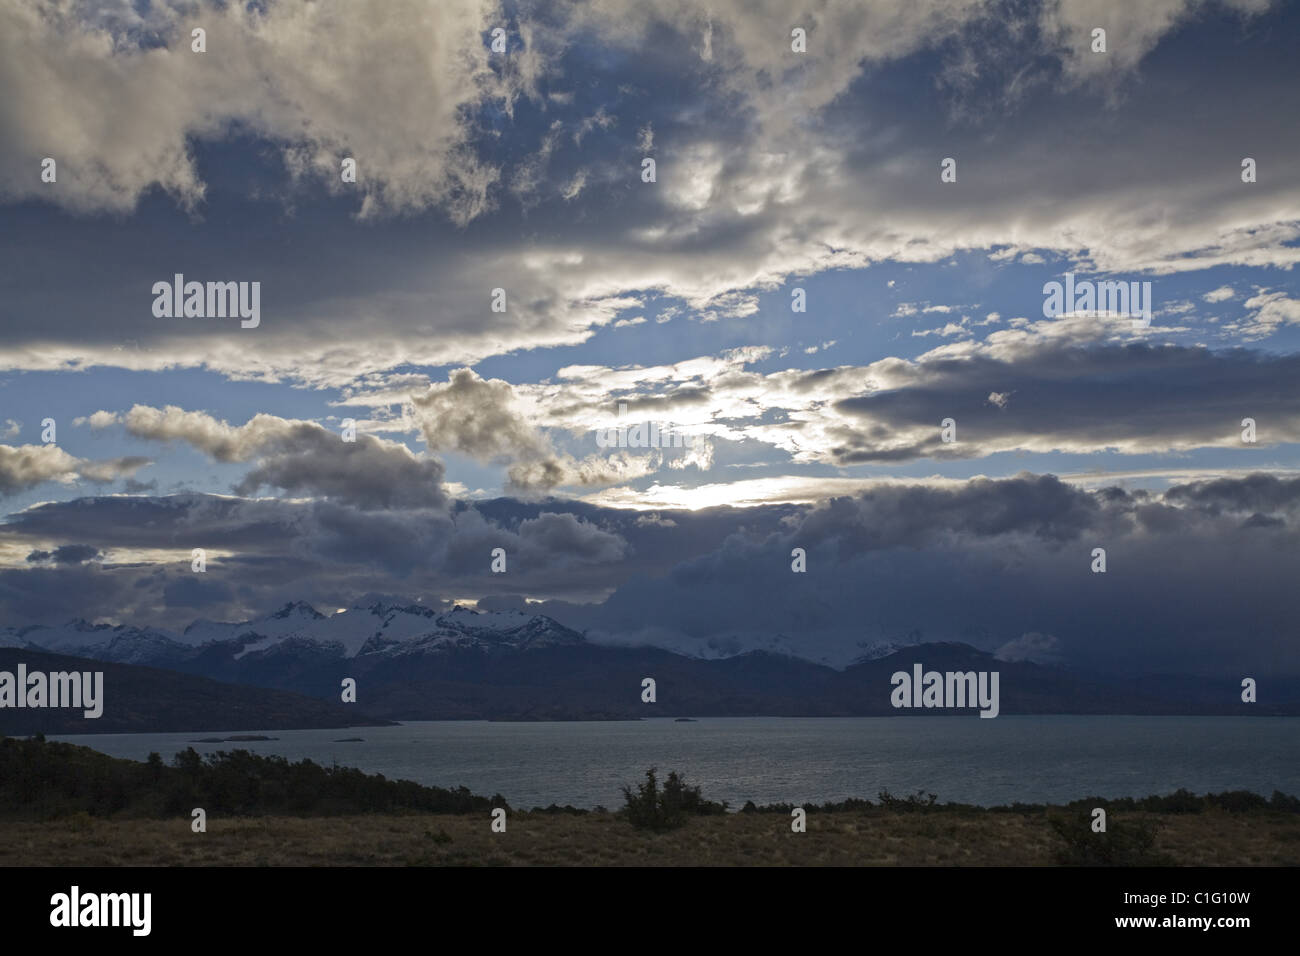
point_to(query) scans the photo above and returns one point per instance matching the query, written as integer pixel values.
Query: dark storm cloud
(1136, 398)
(402, 543)
(264, 551)
(55, 594)
(181, 522)
(66, 554)
(195, 591)
(299, 457)
(366, 473)
(552, 536)
(988, 564)
(1198, 578)
(1254, 493)
(1042, 506)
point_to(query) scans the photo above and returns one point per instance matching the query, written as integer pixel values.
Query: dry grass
(868, 838)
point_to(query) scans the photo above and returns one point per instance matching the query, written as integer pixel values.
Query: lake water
(796, 760)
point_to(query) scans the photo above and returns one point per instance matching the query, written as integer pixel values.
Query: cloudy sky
(798, 295)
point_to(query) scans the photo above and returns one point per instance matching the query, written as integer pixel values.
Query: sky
(833, 290)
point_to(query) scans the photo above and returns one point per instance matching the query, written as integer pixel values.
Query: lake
(1032, 759)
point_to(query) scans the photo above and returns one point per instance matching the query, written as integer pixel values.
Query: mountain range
(139, 699)
(412, 662)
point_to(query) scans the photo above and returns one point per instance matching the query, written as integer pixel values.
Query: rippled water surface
(782, 759)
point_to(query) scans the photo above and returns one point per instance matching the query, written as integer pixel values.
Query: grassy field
(66, 805)
(848, 838)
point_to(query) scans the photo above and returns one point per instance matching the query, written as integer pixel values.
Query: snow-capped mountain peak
(298, 627)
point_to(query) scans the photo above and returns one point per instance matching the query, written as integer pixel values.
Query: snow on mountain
(122, 643)
(416, 629)
(395, 630)
(292, 619)
(879, 649)
(377, 628)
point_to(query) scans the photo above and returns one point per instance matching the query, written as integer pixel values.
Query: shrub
(650, 808)
(1130, 843)
(47, 780)
(1282, 801)
(916, 802)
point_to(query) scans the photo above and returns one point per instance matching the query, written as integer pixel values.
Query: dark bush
(650, 808)
(918, 801)
(1125, 843)
(42, 779)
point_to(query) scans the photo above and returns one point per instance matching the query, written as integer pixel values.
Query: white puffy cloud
(495, 422)
(1269, 312)
(26, 466)
(1077, 383)
(301, 457)
(753, 186)
(118, 116)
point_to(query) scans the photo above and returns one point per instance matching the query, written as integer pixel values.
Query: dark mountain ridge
(421, 663)
(150, 700)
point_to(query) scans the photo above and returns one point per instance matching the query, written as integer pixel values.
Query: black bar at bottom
(332, 906)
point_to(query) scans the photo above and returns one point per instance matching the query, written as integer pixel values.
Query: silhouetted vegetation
(1180, 801)
(650, 808)
(1184, 801)
(914, 803)
(1124, 843)
(567, 808)
(46, 780)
